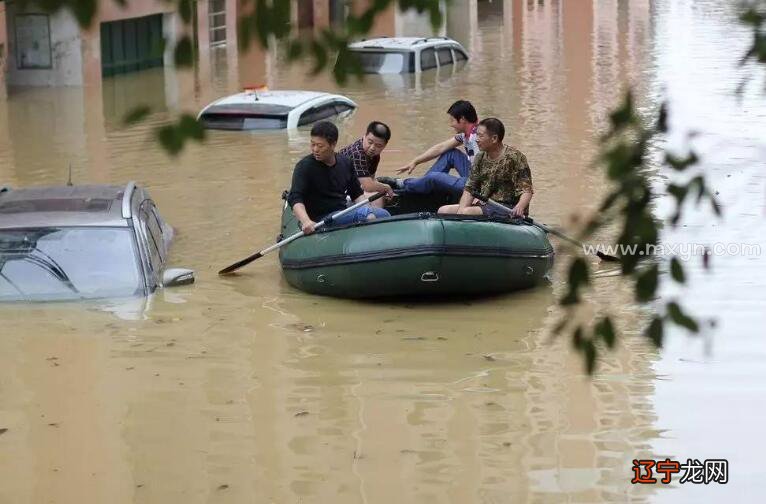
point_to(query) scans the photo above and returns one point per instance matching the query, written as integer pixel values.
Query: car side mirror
(173, 277)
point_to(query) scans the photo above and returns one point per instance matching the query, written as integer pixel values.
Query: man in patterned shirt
(500, 172)
(365, 156)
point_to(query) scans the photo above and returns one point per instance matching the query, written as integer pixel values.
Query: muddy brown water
(246, 390)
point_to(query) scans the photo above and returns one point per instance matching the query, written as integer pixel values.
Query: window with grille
(217, 23)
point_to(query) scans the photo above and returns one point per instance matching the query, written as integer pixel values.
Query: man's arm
(369, 185)
(354, 188)
(465, 201)
(432, 153)
(307, 225)
(524, 184)
(295, 199)
(521, 206)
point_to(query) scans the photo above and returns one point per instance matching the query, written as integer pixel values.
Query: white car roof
(401, 43)
(290, 99)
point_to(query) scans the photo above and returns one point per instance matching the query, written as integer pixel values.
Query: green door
(130, 45)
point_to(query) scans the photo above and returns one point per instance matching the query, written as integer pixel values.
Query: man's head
(324, 136)
(490, 133)
(376, 138)
(461, 115)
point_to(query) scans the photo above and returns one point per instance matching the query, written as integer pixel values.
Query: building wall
(65, 45)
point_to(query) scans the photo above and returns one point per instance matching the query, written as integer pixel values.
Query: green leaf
(185, 10)
(320, 57)
(678, 192)
(680, 318)
(605, 330)
(590, 356)
(654, 331)
(261, 21)
(662, 119)
(646, 284)
(189, 127)
(84, 11)
(137, 114)
(170, 140)
(715, 206)
(578, 273)
(560, 325)
(681, 164)
(578, 338)
(184, 52)
(623, 116)
(751, 17)
(677, 271)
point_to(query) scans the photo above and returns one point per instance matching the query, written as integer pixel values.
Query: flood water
(244, 389)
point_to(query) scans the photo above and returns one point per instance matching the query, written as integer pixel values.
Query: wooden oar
(554, 232)
(247, 260)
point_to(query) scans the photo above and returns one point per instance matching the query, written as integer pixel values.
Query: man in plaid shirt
(365, 156)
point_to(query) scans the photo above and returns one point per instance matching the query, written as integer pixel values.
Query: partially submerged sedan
(393, 55)
(257, 110)
(83, 242)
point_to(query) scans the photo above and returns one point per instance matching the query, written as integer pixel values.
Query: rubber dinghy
(416, 253)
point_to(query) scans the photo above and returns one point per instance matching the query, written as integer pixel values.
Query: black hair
(326, 130)
(380, 130)
(494, 127)
(463, 109)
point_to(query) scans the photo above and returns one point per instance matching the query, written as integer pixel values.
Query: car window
(341, 107)
(152, 241)
(156, 231)
(445, 56)
(238, 122)
(382, 62)
(460, 55)
(45, 264)
(427, 59)
(317, 114)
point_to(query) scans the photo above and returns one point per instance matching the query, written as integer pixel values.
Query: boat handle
(429, 276)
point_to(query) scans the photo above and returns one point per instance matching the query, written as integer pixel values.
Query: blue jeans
(358, 215)
(438, 179)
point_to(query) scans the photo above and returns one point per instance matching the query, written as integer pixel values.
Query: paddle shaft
(554, 232)
(257, 255)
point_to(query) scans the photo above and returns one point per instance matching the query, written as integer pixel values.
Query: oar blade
(234, 267)
(607, 257)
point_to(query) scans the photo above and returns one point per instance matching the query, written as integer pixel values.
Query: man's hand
(518, 211)
(409, 168)
(308, 226)
(387, 189)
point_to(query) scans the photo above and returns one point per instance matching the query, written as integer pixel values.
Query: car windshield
(253, 115)
(381, 62)
(47, 264)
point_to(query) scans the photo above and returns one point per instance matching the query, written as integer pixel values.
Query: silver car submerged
(83, 242)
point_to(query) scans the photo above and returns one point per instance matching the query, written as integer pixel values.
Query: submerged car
(256, 110)
(386, 55)
(83, 242)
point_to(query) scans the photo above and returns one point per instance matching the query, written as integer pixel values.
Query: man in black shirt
(322, 180)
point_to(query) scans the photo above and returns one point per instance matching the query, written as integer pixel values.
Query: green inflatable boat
(416, 253)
